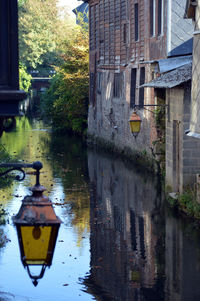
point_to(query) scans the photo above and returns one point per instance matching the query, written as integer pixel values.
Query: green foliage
(24, 79)
(186, 203)
(21, 3)
(42, 30)
(37, 30)
(48, 41)
(159, 115)
(66, 101)
(189, 204)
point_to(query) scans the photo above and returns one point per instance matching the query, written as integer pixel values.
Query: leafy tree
(47, 39)
(21, 3)
(24, 79)
(37, 30)
(66, 102)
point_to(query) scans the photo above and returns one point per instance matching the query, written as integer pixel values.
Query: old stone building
(182, 161)
(127, 37)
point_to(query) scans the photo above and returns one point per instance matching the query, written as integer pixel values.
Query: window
(99, 81)
(136, 23)
(133, 230)
(160, 17)
(117, 85)
(152, 18)
(125, 37)
(141, 91)
(133, 87)
(92, 88)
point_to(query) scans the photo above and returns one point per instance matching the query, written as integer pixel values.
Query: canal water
(118, 240)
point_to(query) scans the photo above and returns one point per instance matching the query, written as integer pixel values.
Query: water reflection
(183, 259)
(70, 164)
(67, 187)
(127, 232)
(139, 250)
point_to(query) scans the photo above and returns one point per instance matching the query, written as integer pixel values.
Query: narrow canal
(118, 240)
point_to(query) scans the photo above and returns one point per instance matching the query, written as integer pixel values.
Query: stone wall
(182, 151)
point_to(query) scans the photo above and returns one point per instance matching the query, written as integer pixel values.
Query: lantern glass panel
(135, 126)
(36, 242)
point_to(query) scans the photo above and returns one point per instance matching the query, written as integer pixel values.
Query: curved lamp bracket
(19, 167)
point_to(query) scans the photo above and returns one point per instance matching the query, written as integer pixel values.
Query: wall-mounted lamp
(135, 124)
(135, 120)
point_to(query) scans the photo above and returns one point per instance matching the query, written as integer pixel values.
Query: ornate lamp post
(37, 225)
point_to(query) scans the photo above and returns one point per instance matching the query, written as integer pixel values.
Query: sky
(70, 3)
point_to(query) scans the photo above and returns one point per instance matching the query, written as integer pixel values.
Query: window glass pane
(133, 86)
(99, 80)
(136, 23)
(141, 91)
(160, 17)
(117, 85)
(152, 17)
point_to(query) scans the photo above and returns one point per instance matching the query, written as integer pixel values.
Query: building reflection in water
(127, 233)
(139, 250)
(183, 260)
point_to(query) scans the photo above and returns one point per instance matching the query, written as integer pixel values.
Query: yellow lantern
(135, 124)
(37, 228)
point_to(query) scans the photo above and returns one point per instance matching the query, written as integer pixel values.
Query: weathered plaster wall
(113, 49)
(109, 118)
